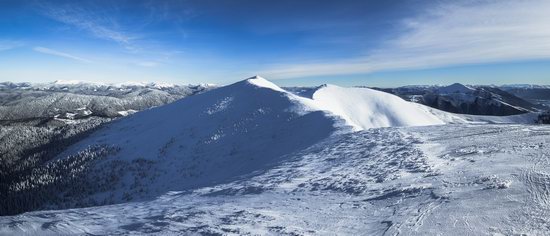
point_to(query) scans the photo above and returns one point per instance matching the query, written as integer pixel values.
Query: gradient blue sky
(306, 42)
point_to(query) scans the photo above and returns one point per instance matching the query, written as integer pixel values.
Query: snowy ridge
(207, 138)
(361, 108)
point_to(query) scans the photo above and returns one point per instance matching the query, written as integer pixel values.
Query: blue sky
(375, 43)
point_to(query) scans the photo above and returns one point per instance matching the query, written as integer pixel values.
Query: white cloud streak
(52, 52)
(9, 44)
(472, 33)
(100, 26)
(147, 63)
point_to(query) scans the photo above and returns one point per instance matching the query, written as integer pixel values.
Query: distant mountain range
(69, 100)
(477, 100)
(536, 94)
(75, 99)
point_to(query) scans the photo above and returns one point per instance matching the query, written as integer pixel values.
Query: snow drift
(365, 108)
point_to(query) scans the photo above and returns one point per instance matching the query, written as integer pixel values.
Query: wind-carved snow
(219, 106)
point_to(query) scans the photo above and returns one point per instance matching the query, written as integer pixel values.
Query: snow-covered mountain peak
(210, 137)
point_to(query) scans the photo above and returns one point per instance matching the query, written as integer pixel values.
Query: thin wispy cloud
(9, 44)
(147, 63)
(112, 21)
(100, 26)
(53, 52)
(493, 31)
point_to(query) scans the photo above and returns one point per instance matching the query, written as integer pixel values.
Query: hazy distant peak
(456, 88)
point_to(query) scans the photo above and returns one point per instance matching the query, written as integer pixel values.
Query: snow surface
(433, 180)
(253, 158)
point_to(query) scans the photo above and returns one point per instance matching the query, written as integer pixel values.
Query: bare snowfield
(338, 162)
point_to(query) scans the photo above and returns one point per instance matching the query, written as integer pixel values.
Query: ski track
(437, 180)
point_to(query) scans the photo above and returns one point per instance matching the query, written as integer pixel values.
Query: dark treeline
(544, 118)
(26, 167)
(38, 122)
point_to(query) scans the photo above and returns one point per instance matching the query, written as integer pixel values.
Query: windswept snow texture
(435, 180)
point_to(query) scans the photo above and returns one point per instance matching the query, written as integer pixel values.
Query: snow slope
(201, 140)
